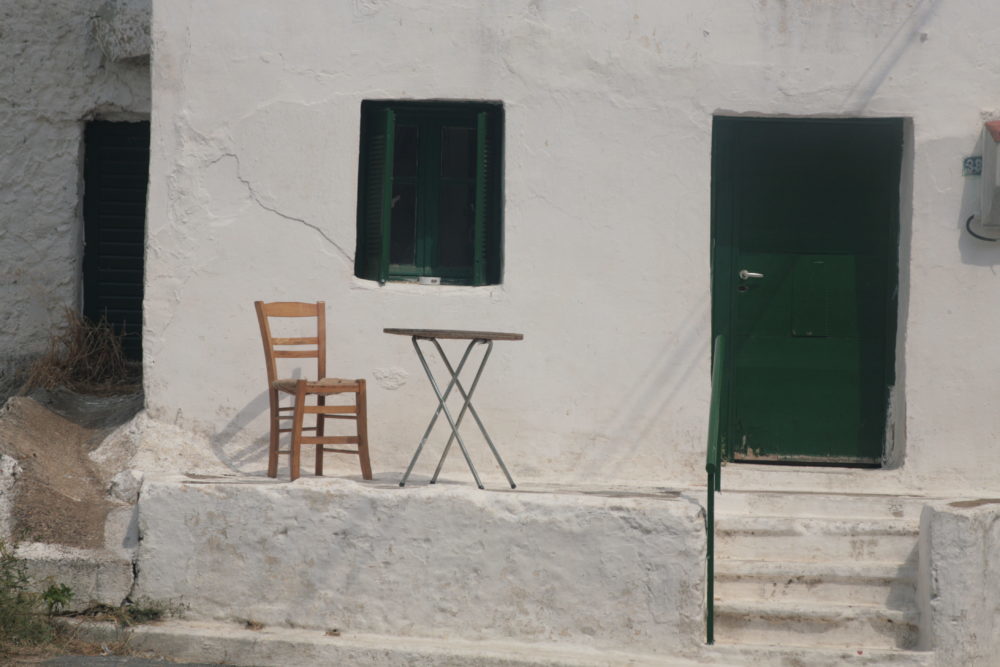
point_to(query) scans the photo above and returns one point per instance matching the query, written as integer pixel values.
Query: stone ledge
(446, 562)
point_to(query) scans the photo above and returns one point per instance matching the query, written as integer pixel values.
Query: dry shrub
(86, 357)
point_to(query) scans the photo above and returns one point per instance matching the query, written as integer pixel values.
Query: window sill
(407, 287)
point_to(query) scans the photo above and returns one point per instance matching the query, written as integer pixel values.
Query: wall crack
(291, 218)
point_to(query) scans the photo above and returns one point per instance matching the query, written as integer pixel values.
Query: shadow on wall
(648, 402)
(908, 33)
(246, 452)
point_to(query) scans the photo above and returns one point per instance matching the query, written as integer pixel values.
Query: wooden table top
(455, 334)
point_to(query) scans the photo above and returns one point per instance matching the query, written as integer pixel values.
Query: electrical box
(990, 181)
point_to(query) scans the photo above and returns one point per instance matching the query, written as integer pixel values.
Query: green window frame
(430, 190)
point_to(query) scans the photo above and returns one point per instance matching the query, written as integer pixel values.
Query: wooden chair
(301, 390)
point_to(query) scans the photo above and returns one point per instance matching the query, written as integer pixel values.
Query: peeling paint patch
(391, 378)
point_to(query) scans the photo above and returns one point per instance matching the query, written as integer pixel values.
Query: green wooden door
(812, 207)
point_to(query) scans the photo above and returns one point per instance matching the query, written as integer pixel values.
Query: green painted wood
(384, 209)
(441, 218)
(375, 194)
(812, 205)
(479, 229)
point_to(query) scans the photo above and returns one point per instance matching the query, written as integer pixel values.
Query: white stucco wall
(54, 78)
(607, 204)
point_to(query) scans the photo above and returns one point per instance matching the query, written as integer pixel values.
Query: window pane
(405, 161)
(458, 152)
(455, 230)
(403, 232)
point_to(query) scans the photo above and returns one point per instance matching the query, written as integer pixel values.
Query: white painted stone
(817, 569)
(881, 583)
(54, 79)
(769, 656)
(145, 445)
(119, 447)
(121, 28)
(10, 469)
(619, 572)
(812, 539)
(607, 207)
(96, 576)
(121, 531)
(785, 623)
(125, 486)
(233, 644)
(959, 589)
(813, 502)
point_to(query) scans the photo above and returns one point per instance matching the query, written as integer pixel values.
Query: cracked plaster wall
(607, 206)
(53, 77)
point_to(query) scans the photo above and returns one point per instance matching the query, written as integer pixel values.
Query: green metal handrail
(714, 470)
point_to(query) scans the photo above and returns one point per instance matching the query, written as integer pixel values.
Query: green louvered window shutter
(429, 192)
(378, 197)
(482, 171)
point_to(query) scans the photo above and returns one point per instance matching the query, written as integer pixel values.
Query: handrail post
(710, 562)
(713, 466)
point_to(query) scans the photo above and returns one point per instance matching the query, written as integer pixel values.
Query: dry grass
(86, 357)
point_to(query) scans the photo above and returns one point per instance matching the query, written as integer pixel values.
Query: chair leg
(362, 404)
(300, 400)
(272, 449)
(320, 424)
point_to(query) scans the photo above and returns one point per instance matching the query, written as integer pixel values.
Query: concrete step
(816, 539)
(870, 583)
(798, 656)
(97, 576)
(833, 505)
(771, 622)
(806, 479)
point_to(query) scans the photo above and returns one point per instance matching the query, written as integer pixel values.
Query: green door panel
(812, 206)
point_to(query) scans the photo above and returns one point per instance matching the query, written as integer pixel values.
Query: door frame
(723, 266)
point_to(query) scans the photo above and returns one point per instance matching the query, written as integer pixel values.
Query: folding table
(474, 338)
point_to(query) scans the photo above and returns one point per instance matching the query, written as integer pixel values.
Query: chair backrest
(311, 347)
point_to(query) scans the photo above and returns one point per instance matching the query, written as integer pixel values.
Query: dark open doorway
(116, 172)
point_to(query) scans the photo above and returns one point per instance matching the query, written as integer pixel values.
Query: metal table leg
(467, 405)
(442, 407)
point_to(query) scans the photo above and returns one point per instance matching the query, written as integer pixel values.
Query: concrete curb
(197, 641)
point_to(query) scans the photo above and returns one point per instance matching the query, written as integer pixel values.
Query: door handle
(744, 274)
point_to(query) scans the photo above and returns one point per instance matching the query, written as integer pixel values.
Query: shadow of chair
(309, 397)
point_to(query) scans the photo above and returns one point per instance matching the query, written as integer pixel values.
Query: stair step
(796, 656)
(799, 624)
(869, 583)
(833, 505)
(816, 539)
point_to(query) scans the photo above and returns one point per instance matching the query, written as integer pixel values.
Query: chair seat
(288, 384)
